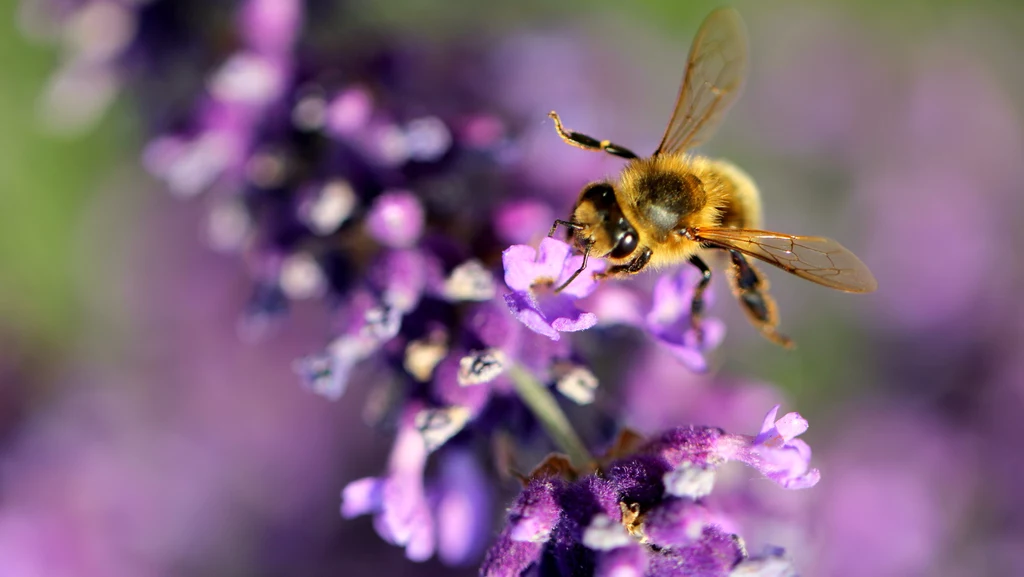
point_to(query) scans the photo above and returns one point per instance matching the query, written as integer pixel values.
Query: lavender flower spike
(533, 274)
(775, 451)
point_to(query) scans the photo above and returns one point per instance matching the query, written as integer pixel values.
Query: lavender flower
(534, 274)
(645, 513)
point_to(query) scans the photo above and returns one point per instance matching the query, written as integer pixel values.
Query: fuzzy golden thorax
(657, 200)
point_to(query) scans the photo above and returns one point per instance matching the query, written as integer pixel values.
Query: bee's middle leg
(752, 291)
(697, 304)
(588, 142)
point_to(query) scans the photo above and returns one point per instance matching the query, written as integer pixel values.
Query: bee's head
(600, 224)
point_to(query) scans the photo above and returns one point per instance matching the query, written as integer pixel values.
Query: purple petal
(628, 561)
(362, 497)
(526, 266)
(463, 510)
(683, 344)
(270, 26)
(563, 314)
(349, 112)
(676, 522)
(535, 512)
(520, 267)
(768, 425)
(510, 557)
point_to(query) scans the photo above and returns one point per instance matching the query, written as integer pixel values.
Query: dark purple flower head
(644, 513)
(533, 274)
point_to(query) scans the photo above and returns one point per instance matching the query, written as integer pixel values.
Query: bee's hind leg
(587, 142)
(752, 291)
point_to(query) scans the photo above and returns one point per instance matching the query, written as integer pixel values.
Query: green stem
(544, 406)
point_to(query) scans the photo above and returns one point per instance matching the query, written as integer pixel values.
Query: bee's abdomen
(666, 198)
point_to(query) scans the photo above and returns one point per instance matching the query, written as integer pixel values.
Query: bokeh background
(142, 435)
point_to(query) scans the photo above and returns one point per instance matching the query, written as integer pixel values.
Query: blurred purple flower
(398, 501)
(644, 514)
(533, 274)
(670, 324)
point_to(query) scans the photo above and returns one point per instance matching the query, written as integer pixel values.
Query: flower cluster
(644, 514)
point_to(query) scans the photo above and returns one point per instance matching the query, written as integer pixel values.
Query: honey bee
(674, 206)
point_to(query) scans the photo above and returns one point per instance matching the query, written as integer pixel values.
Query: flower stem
(544, 406)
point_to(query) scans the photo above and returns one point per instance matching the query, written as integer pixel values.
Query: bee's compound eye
(625, 246)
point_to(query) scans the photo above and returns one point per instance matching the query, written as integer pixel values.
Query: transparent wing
(817, 259)
(714, 75)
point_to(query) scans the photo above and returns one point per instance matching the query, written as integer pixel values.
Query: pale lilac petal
(564, 316)
(522, 306)
(362, 497)
(518, 261)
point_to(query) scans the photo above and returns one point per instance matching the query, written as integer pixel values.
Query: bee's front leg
(634, 266)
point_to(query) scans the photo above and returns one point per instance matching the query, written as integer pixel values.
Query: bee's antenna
(572, 226)
(583, 266)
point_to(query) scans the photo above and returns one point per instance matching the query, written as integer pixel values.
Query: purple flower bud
(533, 274)
(396, 219)
(270, 26)
(676, 522)
(463, 509)
(535, 512)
